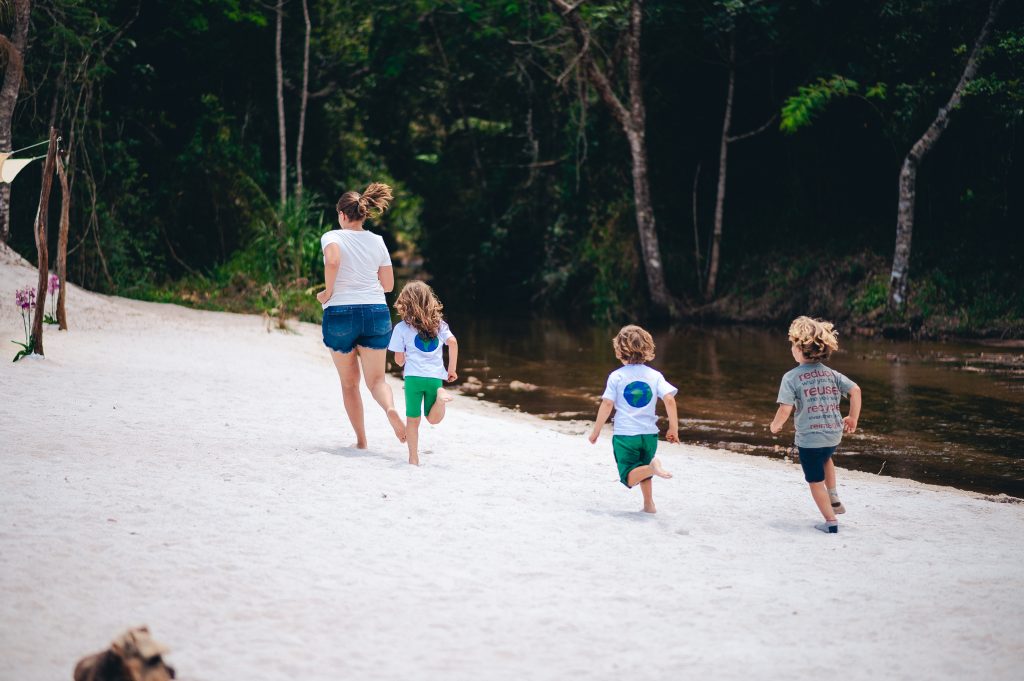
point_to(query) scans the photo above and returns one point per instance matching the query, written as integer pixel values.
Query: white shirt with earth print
(635, 390)
(423, 358)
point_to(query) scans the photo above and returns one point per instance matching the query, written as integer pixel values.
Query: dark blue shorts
(812, 460)
(346, 326)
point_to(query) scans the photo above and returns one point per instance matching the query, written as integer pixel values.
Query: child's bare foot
(444, 395)
(397, 424)
(660, 472)
(358, 445)
(414, 460)
(649, 508)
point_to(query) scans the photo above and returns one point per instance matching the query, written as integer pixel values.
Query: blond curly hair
(419, 307)
(633, 345)
(816, 339)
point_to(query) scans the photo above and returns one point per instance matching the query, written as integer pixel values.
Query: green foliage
(799, 110)
(26, 349)
(287, 246)
(512, 179)
(611, 257)
(873, 296)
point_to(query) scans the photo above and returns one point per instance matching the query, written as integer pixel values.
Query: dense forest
(730, 160)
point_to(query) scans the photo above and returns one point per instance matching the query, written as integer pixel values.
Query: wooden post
(44, 263)
(62, 244)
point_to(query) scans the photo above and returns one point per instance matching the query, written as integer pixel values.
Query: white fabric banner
(12, 166)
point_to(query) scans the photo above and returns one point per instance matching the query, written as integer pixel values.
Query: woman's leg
(348, 373)
(412, 438)
(373, 373)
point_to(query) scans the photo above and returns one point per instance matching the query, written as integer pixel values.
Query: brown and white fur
(132, 656)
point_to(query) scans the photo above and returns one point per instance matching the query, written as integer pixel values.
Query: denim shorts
(346, 326)
(812, 460)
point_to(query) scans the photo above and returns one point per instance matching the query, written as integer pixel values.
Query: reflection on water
(945, 413)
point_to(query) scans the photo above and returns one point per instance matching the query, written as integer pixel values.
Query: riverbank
(851, 289)
(189, 470)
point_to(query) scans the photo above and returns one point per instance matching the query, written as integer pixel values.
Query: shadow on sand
(353, 453)
(636, 516)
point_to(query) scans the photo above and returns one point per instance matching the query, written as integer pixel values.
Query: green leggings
(420, 390)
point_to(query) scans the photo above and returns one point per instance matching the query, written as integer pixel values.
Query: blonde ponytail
(374, 200)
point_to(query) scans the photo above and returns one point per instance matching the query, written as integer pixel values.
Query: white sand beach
(190, 470)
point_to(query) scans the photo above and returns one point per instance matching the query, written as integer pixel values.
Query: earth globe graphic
(426, 345)
(638, 394)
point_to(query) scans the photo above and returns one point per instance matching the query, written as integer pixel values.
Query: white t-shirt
(422, 358)
(635, 389)
(362, 254)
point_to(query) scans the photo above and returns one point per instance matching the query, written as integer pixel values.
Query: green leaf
(876, 91)
(799, 110)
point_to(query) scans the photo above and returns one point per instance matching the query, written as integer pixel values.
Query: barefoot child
(417, 342)
(814, 391)
(633, 391)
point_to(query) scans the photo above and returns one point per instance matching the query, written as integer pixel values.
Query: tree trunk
(62, 245)
(723, 151)
(637, 135)
(15, 48)
(633, 122)
(279, 71)
(302, 106)
(898, 283)
(645, 222)
(44, 262)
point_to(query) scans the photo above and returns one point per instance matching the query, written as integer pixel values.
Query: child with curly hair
(813, 392)
(632, 391)
(418, 343)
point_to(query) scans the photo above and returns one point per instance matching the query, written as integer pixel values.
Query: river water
(943, 413)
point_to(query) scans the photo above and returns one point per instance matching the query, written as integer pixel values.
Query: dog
(132, 656)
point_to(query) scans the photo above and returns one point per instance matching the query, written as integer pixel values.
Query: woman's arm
(453, 358)
(332, 261)
(386, 274)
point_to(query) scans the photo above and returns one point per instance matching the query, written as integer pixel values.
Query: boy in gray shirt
(813, 392)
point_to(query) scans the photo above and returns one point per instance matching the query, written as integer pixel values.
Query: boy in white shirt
(632, 392)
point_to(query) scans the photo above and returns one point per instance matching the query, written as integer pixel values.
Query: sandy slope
(189, 470)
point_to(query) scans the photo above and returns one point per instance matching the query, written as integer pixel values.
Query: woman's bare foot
(358, 445)
(444, 395)
(649, 508)
(660, 472)
(414, 459)
(397, 424)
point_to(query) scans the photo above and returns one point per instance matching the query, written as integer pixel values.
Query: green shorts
(420, 391)
(633, 451)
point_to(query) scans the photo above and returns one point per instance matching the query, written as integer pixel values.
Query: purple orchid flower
(25, 298)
